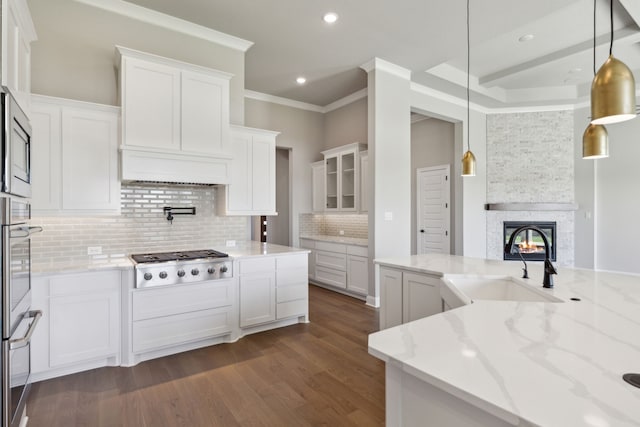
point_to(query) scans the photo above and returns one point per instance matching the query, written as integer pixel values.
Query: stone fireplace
(530, 177)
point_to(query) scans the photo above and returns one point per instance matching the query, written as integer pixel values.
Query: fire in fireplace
(529, 242)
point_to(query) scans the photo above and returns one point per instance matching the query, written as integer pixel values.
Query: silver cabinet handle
(36, 229)
(24, 232)
(21, 342)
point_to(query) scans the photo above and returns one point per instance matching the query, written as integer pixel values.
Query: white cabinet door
(390, 297)
(252, 190)
(358, 274)
(90, 160)
(205, 113)
(342, 178)
(46, 157)
(150, 104)
(84, 317)
(421, 296)
(318, 197)
(310, 244)
(257, 298)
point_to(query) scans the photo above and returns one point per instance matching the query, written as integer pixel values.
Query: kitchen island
(500, 363)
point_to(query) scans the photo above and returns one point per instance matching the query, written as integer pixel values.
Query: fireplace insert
(529, 242)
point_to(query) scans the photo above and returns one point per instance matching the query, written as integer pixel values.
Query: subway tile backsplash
(141, 227)
(330, 225)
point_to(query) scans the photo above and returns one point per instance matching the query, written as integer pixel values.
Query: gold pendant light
(468, 159)
(613, 91)
(595, 141)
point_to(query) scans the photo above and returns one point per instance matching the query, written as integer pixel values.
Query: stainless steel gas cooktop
(181, 267)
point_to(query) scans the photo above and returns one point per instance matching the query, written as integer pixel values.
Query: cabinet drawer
(358, 250)
(166, 331)
(290, 293)
(331, 277)
(331, 260)
(164, 301)
(291, 308)
(292, 261)
(331, 247)
(292, 277)
(73, 284)
(256, 265)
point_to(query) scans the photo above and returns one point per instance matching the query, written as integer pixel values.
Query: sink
(464, 289)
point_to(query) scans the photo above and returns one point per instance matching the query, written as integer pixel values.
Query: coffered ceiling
(427, 37)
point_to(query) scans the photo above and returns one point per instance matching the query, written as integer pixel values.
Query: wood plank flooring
(316, 374)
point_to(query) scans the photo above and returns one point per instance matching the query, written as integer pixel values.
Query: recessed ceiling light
(526, 38)
(330, 17)
(301, 80)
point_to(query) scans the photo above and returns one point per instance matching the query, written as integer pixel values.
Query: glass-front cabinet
(342, 175)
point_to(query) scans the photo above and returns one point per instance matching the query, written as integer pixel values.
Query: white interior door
(433, 216)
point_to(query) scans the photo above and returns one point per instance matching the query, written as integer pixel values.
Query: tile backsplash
(330, 225)
(141, 227)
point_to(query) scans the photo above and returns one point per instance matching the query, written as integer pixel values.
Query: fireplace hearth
(529, 242)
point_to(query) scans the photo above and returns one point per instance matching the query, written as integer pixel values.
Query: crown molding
(391, 68)
(168, 22)
(425, 90)
(362, 93)
(259, 96)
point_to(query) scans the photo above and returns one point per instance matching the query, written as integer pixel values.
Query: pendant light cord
(611, 22)
(468, 71)
(594, 37)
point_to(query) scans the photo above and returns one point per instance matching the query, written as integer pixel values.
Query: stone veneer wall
(141, 227)
(353, 225)
(530, 160)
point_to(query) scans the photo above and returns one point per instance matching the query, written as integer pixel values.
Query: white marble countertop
(252, 248)
(338, 239)
(548, 364)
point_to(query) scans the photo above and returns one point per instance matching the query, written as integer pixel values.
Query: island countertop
(546, 364)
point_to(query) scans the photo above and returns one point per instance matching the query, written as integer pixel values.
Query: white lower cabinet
(272, 288)
(340, 266)
(174, 315)
(80, 328)
(406, 296)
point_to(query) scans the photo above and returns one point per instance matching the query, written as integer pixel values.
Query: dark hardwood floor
(302, 375)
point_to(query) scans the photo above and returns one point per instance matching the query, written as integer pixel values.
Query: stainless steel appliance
(18, 321)
(15, 169)
(172, 268)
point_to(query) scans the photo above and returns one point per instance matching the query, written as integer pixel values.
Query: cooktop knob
(223, 269)
(181, 273)
(147, 276)
(163, 274)
(195, 272)
(211, 270)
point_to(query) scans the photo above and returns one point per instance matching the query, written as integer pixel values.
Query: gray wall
(78, 62)
(618, 201)
(432, 144)
(584, 178)
(300, 130)
(346, 125)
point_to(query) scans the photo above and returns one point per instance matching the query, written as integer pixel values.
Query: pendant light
(613, 91)
(595, 141)
(468, 159)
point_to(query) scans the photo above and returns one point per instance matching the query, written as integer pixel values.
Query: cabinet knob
(195, 272)
(163, 274)
(147, 276)
(223, 269)
(211, 270)
(181, 273)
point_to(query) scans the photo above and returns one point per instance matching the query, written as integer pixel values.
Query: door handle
(422, 230)
(21, 342)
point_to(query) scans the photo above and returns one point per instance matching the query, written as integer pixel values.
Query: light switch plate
(388, 216)
(94, 250)
(231, 243)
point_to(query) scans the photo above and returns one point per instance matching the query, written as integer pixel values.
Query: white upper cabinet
(17, 34)
(74, 157)
(342, 178)
(318, 198)
(175, 120)
(252, 190)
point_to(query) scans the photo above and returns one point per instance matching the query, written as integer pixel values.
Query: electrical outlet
(94, 250)
(341, 232)
(231, 243)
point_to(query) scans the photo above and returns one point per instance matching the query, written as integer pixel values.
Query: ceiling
(427, 37)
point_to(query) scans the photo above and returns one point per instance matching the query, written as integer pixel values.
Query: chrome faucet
(549, 269)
